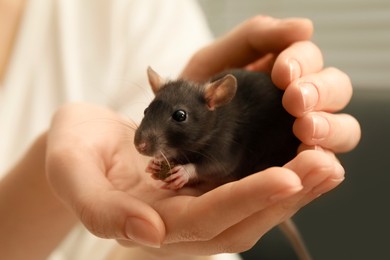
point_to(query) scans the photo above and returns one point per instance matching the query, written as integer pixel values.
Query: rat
(217, 131)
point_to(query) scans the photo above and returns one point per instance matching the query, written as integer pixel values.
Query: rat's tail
(292, 233)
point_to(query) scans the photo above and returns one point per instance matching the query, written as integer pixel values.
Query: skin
(96, 172)
(30, 210)
(10, 14)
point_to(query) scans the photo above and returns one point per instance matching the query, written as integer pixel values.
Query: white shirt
(91, 50)
(95, 51)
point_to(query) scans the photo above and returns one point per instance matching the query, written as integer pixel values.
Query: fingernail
(327, 186)
(285, 193)
(142, 232)
(337, 177)
(295, 69)
(309, 96)
(321, 127)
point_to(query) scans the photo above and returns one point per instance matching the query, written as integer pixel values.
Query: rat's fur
(225, 140)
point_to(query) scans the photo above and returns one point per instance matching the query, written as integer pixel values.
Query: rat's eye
(179, 115)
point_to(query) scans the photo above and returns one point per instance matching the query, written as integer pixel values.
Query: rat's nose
(141, 147)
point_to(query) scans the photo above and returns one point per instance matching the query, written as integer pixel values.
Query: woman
(97, 51)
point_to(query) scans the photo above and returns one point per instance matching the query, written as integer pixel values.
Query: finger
(303, 147)
(78, 177)
(264, 64)
(153, 168)
(171, 178)
(247, 43)
(174, 175)
(127, 243)
(328, 90)
(77, 167)
(120, 216)
(204, 217)
(298, 60)
(319, 173)
(336, 132)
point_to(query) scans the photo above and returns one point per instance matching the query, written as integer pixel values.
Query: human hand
(94, 168)
(312, 93)
(254, 44)
(183, 223)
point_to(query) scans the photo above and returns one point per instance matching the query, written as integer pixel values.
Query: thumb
(116, 214)
(104, 211)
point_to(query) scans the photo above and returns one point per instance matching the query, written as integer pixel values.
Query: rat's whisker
(166, 159)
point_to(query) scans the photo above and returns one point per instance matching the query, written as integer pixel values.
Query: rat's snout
(145, 142)
(142, 147)
(141, 144)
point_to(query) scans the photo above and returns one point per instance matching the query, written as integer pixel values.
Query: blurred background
(353, 221)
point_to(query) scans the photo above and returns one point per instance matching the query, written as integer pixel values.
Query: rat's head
(181, 115)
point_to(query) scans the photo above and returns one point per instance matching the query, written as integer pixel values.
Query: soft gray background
(353, 34)
(351, 222)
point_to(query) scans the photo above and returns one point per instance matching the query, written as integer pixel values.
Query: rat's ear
(221, 91)
(155, 80)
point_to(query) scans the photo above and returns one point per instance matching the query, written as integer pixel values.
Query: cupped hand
(282, 48)
(313, 94)
(94, 168)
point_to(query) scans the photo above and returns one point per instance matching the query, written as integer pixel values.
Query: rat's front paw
(160, 170)
(153, 166)
(180, 176)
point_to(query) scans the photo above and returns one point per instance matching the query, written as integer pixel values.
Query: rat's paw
(154, 167)
(180, 176)
(160, 170)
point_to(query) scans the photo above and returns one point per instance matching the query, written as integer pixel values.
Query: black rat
(215, 132)
(223, 130)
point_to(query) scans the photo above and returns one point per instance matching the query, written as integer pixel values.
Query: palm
(125, 166)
